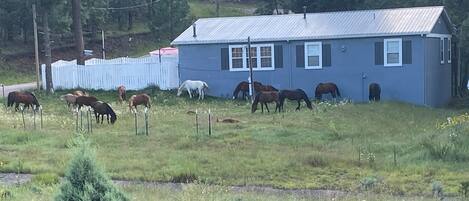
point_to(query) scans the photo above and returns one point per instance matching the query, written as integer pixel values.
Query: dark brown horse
(26, 98)
(242, 87)
(101, 109)
(264, 98)
(141, 99)
(375, 92)
(259, 87)
(85, 100)
(121, 93)
(325, 88)
(297, 94)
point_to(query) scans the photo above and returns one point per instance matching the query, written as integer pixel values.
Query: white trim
(257, 56)
(306, 55)
(385, 46)
(449, 50)
(434, 35)
(442, 51)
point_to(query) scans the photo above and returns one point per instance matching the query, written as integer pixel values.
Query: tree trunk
(130, 21)
(218, 7)
(94, 29)
(47, 52)
(77, 31)
(171, 26)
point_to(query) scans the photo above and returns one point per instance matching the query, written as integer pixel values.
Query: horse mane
(35, 101)
(111, 112)
(306, 98)
(255, 102)
(237, 89)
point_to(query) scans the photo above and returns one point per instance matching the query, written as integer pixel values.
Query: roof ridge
(326, 12)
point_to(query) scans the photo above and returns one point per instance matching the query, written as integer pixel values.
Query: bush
(85, 181)
(184, 178)
(47, 179)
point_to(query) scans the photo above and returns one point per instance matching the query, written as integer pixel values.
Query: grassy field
(9, 77)
(349, 147)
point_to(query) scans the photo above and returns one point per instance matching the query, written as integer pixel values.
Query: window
(262, 57)
(393, 52)
(442, 50)
(449, 50)
(313, 55)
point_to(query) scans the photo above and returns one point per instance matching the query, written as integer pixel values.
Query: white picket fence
(133, 73)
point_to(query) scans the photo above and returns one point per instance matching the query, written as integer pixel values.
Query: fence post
(209, 123)
(81, 120)
(88, 121)
(146, 121)
(76, 128)
(3, 94)
(34, 118)
(196, 122)
(40, 110)
(22, 115)
(136, 123)
(91, 121)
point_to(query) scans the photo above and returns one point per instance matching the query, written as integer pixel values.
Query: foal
(141, 99)
(264, 98)
(325, 88)
(121, 93)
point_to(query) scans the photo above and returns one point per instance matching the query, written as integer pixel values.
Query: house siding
(441, 26)
(438, 76)
(352, 70)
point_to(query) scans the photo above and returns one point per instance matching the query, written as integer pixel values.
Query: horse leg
(107, 116)
(267, 107)
(96, 116)
(102, 118)
(262, 108)
(298, 107)
(17, 105)
(189, 91)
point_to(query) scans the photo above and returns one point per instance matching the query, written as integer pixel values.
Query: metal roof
(329, 25)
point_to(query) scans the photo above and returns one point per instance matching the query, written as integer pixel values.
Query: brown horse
(141, 99)
(264, 98)
(297, 94)
(121, 93)
(70, 99)
(26, 98)
(325, 88)
(375, 92)
(259, 87)
(242, 87)
(78, 93)
(85, 100)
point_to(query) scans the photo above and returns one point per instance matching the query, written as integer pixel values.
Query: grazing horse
(190, 85)
(297, 95)
(70, 99)
(85, 100)
(80, 93)
(141, 99)
(100, 109)
(259, 87)
(325, 88)
(375, 92)
(264, 98)
(242, 87)
(26, 98)
(121, 92)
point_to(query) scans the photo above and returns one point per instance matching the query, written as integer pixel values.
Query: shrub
(47, 179)
(5, 194)
(85, 181)
(316, 161)
(184, 178)
(437, 189)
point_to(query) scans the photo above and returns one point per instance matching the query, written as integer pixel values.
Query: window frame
(245, 57)
(449, 50)
(385, 47)
(319, 43)
(442, 50)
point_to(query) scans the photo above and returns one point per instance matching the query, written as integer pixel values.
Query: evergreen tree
(85, 181)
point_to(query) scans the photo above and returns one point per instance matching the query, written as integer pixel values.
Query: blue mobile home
(407, 51)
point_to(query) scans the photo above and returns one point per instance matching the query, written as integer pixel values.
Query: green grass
(307, 149)
(194, 192)
(9, 77)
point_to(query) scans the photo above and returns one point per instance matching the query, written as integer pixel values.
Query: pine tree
(85, 181)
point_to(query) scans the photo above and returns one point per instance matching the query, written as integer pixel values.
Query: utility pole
(77, 31)
(251, 80)
(47, 50)
(36, 46)
(103, 48)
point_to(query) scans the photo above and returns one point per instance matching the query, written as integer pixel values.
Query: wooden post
(34, 118)
(91, 121)
(196, 122)
(146, 121)
(103, 48)
(88, 121)
(77, 121)
(209, 123)
(22, 115)
(40, 110)
(3, 95)
(136, 123)
(81, 120)
(251, 79)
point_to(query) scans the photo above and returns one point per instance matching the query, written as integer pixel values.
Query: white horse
(190, 85)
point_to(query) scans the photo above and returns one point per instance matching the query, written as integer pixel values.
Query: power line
(126, 8)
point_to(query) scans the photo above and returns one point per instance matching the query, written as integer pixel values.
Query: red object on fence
(165, 51)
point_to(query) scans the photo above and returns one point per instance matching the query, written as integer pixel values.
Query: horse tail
(306, 98)
(255, 102)
(11, 98)
(111, 112)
